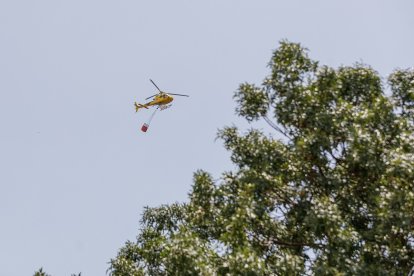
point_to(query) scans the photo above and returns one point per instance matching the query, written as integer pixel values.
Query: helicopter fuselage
(160, 99)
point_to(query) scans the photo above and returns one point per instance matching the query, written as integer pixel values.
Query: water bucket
(144, 127)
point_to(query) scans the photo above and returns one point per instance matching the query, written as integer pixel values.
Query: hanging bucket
(144, 127)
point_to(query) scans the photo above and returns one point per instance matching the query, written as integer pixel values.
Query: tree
(330, 192)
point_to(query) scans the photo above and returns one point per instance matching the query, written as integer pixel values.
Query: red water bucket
(144, 127)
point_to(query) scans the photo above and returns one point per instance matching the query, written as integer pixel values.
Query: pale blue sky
(75, 169)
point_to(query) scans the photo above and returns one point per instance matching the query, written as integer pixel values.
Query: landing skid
(163, 107)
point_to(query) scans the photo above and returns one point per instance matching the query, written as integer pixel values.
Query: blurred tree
(333, 194)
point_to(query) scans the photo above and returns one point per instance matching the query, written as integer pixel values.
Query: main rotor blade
(151, 96)
(155, 85)
(179, 94)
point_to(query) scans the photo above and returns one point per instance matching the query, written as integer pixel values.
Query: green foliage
(40, 272)
(333, 195)
(402, 86)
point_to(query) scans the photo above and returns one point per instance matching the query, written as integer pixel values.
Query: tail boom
(138, 106)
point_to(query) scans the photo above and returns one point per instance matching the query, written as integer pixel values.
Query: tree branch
(274, 126)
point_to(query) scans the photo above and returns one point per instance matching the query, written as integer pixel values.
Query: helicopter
(161, 99)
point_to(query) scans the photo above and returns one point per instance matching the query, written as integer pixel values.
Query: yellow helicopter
(160, 100)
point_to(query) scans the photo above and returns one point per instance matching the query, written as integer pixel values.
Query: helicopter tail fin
(138, 106)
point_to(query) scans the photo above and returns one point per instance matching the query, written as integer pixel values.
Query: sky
(75, 169)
